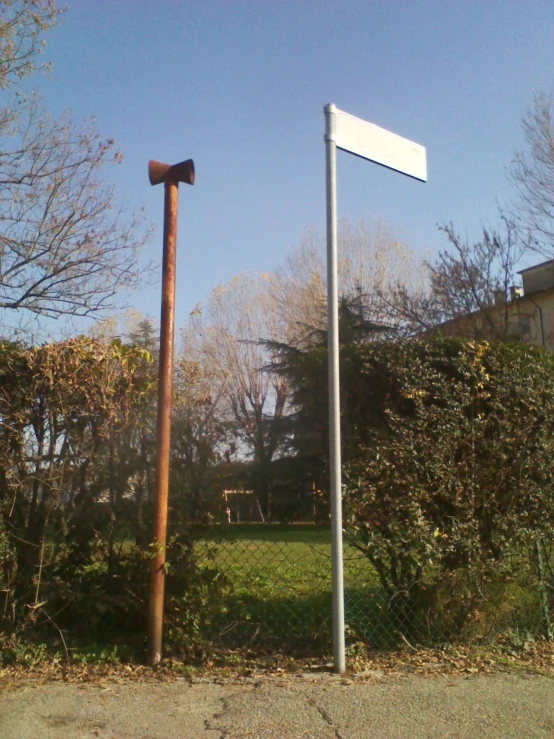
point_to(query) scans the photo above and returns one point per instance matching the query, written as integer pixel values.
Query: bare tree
(224, 339)
(467, 279)
(67, 245)
(532, 174)
(198, 434)
(232, 342)
(373, 265)
(22, 26)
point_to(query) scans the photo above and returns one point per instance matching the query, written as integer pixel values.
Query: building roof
(548, 263)
(538, 278)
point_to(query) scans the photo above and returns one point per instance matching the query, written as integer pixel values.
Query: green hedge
(449, 484)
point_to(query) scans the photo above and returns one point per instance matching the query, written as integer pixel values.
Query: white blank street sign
(379, 145)
(359, 137)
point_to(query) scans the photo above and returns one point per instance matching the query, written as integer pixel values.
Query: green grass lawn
(278, 591)
(279, 579)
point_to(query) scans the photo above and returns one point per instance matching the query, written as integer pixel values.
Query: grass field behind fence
(278, 590)
(279, 579)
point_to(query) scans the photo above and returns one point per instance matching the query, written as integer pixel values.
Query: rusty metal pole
(170, 176)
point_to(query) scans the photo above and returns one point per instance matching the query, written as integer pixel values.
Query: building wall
(529, 319)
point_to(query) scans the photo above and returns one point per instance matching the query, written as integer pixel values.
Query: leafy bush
(450, 492)
(75, 501)
(101, 598)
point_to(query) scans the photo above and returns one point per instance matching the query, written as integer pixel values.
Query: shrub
(100, 597)
(74, 502)
(451, 490)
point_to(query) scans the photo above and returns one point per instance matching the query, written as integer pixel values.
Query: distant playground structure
(242, 506)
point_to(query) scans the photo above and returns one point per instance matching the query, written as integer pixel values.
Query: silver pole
(334, 392)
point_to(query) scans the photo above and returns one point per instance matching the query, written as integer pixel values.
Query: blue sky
(240, 88)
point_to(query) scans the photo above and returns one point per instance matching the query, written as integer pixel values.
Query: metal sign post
(170, 176)
(345, 131)
(334, 392)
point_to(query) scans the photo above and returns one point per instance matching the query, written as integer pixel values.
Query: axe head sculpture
(182, 172)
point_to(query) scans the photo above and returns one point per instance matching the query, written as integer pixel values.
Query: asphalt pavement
(308, 707)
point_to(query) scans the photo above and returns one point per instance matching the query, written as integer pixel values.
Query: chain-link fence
(508, 600)
(276, 585)
(275, 594)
